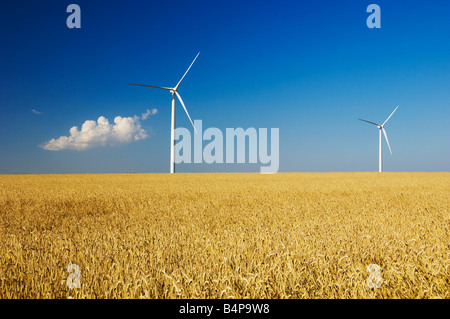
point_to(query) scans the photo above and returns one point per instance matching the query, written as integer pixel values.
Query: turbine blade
(385, 136)
(390, 115)
(176, 87)
(182, 103)
(369, 122)
(151, 86)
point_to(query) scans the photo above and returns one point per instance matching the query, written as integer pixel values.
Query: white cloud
(36, 112)
(149, 113)
(124, 130)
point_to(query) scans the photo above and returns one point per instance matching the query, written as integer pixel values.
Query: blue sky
(309, 68)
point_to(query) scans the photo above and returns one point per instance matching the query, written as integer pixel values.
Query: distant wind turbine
(381, 127)
(172, 130)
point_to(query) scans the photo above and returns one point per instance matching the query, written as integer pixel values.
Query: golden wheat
(288, 235)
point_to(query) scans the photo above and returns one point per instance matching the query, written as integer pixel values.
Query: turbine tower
(381, 127)
(174, 92)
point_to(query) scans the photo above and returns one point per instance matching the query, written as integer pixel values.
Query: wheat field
(242, 235)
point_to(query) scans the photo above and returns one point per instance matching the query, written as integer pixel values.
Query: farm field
(224, 235)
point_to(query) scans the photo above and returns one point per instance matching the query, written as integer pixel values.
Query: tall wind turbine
(381, 127)
(174, 92)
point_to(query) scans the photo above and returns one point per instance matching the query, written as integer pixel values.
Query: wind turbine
(381, 127)
(174, 92)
